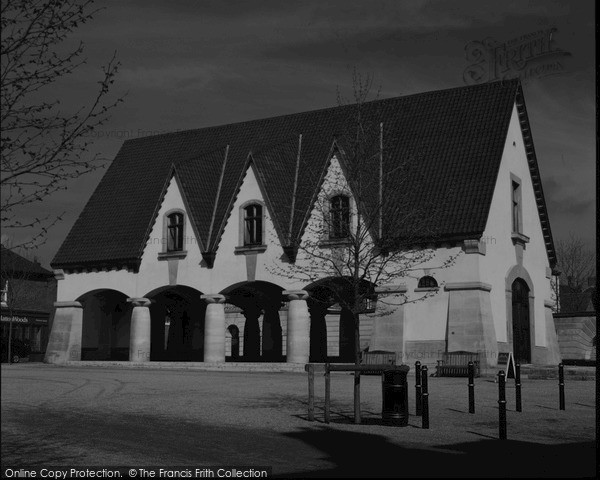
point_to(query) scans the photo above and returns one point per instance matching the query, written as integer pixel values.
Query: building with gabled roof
(172, 257)
(28, 295)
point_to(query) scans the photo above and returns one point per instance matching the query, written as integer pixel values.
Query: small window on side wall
(175, 223)
(516, 213)
(339, 214)
(427, 282)
(253, 225)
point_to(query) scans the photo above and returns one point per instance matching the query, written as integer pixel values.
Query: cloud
(169, 76)
(571, 206)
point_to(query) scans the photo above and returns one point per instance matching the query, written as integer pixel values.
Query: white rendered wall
(426, 320)
(500, 256)
(153, 273)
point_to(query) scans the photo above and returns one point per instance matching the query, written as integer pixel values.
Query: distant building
(28, 296)
(577, 299)
(173, 256)
(576, 322)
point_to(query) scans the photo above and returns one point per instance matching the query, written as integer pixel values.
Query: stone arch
(233, 341)
(259, 303)
(518, 273)
(177, 323)
(331, 296)
(105, 325)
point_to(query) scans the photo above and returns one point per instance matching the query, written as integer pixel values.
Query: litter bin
(395, 396)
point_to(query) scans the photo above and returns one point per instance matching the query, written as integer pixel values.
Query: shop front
(29, 332)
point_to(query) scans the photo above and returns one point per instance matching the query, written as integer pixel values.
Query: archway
(105, 329)
(233, 339)
(521, 321)
(335, 296)
(177, 324)
(259, 303)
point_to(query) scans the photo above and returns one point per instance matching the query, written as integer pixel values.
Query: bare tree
(365, 233)
(577, 264)
(43, 146)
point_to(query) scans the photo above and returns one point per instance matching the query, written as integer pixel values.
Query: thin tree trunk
(356, 362)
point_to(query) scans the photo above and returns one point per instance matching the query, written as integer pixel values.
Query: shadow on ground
(57, 435)
(367, 455)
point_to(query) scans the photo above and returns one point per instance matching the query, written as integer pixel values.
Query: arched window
(339, 212)
(427, 282)
(253, 224)
(175, 232)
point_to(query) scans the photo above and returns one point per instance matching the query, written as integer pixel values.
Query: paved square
(157, 417)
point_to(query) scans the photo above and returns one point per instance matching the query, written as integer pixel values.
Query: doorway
(521, 321)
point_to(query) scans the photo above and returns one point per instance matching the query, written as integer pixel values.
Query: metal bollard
(418, 407)
(327, 393)
(502, 405)
(561, 386)
(311, 392)
(424, 399)
(518, 387)
(471, 387)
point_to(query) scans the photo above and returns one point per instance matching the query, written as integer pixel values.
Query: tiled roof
(451, 142)
(17, 266)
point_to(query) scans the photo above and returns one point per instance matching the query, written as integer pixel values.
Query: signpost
(506, 362)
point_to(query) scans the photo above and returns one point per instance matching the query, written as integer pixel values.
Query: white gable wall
(230, 268)
(154, 273)
(501, 253)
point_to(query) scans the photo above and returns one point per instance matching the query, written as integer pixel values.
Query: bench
(379, 358)
(456, 364)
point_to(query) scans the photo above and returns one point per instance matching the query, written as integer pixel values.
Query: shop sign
(15, 319)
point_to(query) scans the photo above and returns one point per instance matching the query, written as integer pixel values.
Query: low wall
(576, 332)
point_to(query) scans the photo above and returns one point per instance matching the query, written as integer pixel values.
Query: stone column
(252, 333)
(64, 343)
(271, 334)
(139, 334)
(214, 328)
(318, 331)
(298, 327)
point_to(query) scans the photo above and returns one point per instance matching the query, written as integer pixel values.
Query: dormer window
(339, 214)
(253, 225)
(252, 228)
(175, 222)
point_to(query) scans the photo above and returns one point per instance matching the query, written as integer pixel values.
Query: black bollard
(424, 398)
(518, 387)
(561, 386)
(502, 405)
(418, 408)
(471, 387)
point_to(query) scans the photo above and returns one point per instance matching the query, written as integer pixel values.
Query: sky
(192, 64)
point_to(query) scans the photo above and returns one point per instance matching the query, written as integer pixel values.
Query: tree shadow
(368, 455)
